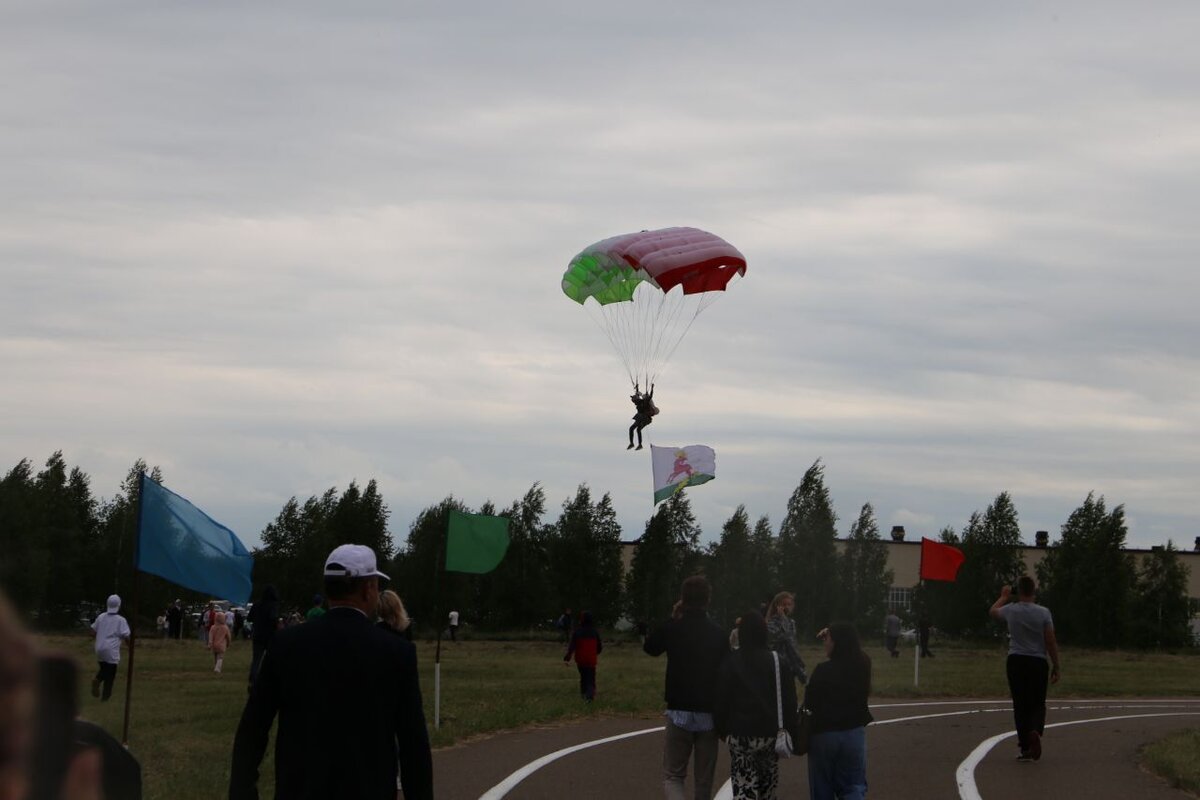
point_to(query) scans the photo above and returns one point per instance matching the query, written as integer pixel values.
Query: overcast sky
(275, 250)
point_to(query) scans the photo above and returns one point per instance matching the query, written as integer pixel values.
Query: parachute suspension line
(646, 331)
(704, 303)
(605, 323)
(664, 335)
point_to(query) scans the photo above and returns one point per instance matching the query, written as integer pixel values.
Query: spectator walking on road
(746, 713)
(695, 647)
(111, 629)
(837, 697)
(586, 647)
(1031, 641)
(347, 697)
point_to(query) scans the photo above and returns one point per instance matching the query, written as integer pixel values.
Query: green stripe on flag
(694, 480)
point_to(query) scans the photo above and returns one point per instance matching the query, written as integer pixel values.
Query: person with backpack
(646, 411)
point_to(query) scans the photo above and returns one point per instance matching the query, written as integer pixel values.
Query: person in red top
(586, 646)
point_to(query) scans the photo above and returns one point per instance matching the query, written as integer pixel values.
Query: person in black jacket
(348, 701)
(837, 697)
(175, 621)
(695, 647)
(264, 621)
(747, 709)
(646, 411)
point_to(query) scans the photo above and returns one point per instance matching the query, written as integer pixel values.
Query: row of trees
(1097, 591)
(63, 547)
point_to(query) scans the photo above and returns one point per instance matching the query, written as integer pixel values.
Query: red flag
(939, 562)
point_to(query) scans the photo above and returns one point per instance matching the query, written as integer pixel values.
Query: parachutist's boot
(630, 446)
(639, 447)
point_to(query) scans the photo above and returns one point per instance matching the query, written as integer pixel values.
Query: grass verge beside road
(184, 716)
(1176, 759)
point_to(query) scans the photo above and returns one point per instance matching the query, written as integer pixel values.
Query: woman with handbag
(756, 700)
(837, 698)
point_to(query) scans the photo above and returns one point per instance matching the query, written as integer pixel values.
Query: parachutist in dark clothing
(644, 403)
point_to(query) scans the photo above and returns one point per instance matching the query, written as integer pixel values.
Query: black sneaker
(639, 447)
(1025, 756)
(1035, 745)
(630, 446)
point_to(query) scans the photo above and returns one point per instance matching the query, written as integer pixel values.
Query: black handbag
(802, 732)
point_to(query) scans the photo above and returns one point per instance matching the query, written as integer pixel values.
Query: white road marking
(505, 786)
(965, 774)
(726, 790)
(502, 789)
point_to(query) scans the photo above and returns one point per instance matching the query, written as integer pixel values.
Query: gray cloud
(275, 251)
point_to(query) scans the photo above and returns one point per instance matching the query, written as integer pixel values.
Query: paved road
(944, 749)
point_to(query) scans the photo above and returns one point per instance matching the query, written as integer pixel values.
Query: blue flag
(181, 543)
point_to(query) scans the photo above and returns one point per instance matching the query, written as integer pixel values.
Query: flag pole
(437, 621)
(137, 539)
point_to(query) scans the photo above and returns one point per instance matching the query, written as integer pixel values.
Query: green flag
(475, 542)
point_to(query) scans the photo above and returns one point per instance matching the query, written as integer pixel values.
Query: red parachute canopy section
(697, 260)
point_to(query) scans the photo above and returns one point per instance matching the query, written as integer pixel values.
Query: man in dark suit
(348, 701)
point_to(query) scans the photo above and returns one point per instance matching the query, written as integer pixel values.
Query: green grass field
(184, 716)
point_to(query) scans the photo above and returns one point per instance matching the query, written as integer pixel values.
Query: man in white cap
(111, 629)
(347, 697)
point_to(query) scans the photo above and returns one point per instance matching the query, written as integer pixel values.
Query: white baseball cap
(352, 561)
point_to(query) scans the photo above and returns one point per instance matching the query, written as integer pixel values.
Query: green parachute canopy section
(602, 277)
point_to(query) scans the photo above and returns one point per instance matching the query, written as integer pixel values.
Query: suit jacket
(348, 702)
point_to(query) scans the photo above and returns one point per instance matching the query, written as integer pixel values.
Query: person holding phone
(1031, 641)
(837, 697)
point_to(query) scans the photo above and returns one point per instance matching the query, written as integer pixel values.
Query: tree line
(64, 548)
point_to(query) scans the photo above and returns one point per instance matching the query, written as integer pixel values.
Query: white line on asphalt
(965, 774)
(726, 790)
(501, 789)
(505, 786)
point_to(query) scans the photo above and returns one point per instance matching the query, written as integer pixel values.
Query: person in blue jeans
(837, 697)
